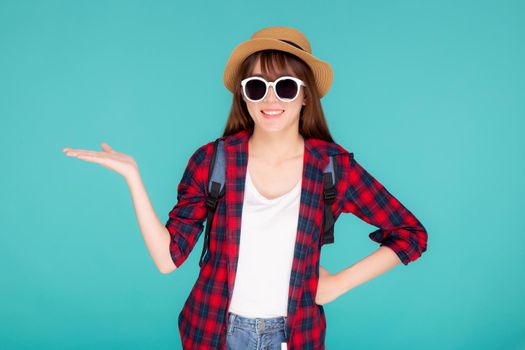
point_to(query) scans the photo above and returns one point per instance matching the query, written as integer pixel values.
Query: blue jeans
(255, 333)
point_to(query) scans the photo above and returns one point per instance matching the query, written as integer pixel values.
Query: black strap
(216, 189)
(329, 193)
(211, 204)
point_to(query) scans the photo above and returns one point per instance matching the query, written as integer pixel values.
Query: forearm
(154, 233)
(375, 264)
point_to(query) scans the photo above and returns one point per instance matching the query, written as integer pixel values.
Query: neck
(276, 146)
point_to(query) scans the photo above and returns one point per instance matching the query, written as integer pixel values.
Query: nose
(270, 96)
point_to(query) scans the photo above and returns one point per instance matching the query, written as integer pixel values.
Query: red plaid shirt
(203, 319)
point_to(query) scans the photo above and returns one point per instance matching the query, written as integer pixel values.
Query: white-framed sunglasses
(286, 88)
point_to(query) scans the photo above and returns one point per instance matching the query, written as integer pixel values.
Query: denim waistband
(258, 325)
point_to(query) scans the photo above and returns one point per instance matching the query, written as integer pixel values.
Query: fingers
(89, 158)
(106, 147)
(323, 271)
(103, 158)
(76, 151)
(92, 159)
(82, 152)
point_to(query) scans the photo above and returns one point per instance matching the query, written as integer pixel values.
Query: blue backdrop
(428, 95)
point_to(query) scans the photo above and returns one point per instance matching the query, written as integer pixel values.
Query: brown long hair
(312, 122)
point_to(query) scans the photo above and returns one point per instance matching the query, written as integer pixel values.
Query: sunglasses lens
(255, 89)
(286, 88)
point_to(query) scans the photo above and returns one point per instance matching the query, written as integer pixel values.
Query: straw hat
(284, 39)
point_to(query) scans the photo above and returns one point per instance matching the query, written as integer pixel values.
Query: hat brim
(322, 71)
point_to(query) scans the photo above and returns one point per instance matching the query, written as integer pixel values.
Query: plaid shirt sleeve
(368, 199)
(186, 219)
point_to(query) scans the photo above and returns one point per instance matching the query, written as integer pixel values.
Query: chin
(275, 128)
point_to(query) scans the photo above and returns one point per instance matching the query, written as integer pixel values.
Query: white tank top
(268, 232)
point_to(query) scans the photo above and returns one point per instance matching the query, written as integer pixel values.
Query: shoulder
(197, 167)
(201, 153)
(324, 149)
(200, 157)
(204, 152)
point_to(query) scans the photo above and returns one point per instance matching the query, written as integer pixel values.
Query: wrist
(133, 177)
(343, 281)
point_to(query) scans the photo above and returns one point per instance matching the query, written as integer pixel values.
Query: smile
(272, 113)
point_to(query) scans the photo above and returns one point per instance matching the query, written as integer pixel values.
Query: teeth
(272, 112)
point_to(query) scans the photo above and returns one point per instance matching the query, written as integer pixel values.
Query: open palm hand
(119, 162)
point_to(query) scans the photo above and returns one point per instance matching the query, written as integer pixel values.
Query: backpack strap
(329, 192)
(216, 190)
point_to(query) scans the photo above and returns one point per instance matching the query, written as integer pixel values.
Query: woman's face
(289, 118)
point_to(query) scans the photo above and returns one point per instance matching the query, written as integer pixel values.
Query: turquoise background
(430, 97)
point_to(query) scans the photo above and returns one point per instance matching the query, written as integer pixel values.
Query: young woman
(261, 286)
